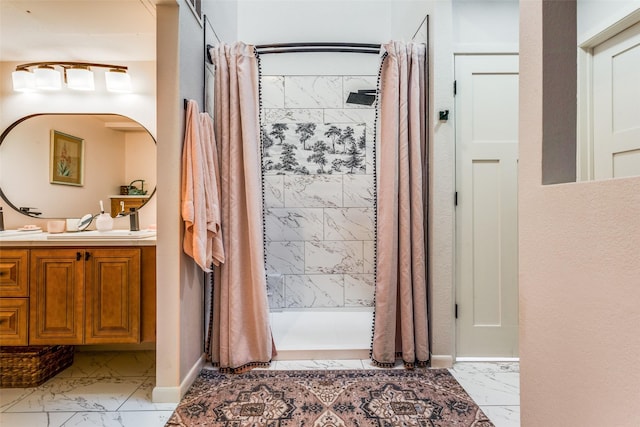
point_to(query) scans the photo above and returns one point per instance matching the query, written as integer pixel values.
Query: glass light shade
(80, 79)
(23, 81)
(47, 78)
(118, 81)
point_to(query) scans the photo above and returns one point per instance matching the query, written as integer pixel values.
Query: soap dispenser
(1, 219)
(104, 222)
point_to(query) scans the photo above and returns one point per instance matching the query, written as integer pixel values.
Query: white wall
(596, 15)
(485, 26)
(139, 105)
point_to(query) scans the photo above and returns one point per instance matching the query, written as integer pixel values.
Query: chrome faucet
(133, 190)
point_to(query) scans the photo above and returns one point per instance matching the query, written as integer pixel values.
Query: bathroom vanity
(77, 288)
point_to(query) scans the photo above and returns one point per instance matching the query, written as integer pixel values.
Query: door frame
(585, 116)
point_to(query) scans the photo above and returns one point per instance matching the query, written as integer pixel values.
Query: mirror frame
(22, 119)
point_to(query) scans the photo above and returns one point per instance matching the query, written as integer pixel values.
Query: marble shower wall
(319, 227)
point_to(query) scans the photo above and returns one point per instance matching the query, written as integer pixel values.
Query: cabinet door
(13, 273)
(13, 321)
(56, 296)
(112, 296)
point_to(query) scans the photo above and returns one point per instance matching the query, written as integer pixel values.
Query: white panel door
(486, 213)
(616, 106)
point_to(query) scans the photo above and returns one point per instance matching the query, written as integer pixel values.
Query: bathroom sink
(103, 235)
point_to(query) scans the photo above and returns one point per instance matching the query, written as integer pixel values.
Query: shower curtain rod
(318, 47)
(314, 47)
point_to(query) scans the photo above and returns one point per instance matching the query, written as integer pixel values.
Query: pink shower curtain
(401, 321)
(241, 335)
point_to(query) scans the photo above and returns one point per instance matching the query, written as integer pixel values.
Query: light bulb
(23, 80)
(79, 78)
(48, 78)
(118, 80)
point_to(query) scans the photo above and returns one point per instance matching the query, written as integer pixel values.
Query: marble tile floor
(114, 389)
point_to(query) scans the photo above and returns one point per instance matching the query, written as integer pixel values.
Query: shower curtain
(241, 335)
(400, 325)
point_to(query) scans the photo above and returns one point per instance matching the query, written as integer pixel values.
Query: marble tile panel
(285, 257)
(128, 364)
(272, 91)
(86, 363)
(312, 191)
(314, 291)
(141, 400)
(119, 419)
(359, 290)
(293, 115)
(291, 224)
(284, 365)
(491, 389)
(329, 257)
(486, 367)
(351, 115)
(358, 191)
(34, 419)
(274, 191)
(355, 83)
(11, 396)
(503, 416)
(275, 291)
(369, 256)
(349, 224)
(313, 92)
(79, 394)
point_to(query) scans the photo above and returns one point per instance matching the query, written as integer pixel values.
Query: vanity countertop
(14, 238)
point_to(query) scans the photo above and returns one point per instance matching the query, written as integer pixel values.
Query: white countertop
(14, 238)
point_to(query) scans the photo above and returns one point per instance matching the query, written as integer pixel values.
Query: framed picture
(66, 159)
(196, 8)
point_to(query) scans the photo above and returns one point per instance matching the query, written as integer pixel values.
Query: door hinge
(455, 199)
(456, 311)
(455, 87)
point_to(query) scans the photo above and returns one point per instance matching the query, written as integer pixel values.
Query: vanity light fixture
(77, 76)
(118, 80)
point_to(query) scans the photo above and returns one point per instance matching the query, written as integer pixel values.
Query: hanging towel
(198, 181)
(215, 250)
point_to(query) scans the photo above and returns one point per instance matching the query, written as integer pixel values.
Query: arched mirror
(62, 165)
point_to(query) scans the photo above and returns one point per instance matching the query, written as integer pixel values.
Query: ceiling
(77, 30)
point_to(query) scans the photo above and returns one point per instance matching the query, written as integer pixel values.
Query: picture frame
(66, 163)
(196, 8)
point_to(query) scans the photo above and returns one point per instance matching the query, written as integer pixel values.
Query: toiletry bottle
(1, 219)
(134, 224)
(104, 222)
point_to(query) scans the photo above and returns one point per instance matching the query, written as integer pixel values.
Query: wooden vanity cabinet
(129, 202)
(92, 295)
(14, 296)
(56, 310)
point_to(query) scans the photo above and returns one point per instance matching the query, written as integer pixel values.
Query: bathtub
(322, 335)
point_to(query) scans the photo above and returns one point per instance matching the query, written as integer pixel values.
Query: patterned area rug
(353, 398)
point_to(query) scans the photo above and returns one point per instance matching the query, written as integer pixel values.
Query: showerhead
(362, 97)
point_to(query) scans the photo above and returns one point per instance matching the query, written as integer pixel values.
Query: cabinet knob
(78, 256)
(87, 255)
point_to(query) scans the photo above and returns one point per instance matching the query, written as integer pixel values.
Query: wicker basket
(33, 365)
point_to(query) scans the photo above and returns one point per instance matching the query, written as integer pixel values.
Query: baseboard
(441, 361)
(322, 354)
(174, 394)
(487, 359)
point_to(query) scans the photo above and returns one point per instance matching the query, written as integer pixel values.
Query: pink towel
(200, 196)
(212, 190)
